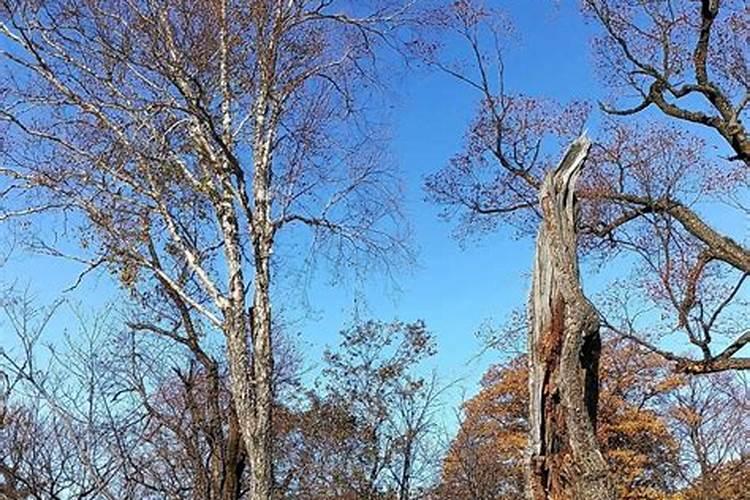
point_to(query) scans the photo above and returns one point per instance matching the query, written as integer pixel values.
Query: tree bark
(262, 363)
(260, 440)
(564, 458)
(234, 461)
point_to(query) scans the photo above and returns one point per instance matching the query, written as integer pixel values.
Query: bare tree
(708, 415)
(187, 135)
(375, 375)
(118, 414)
(687, 59)
(189, 425)
(414, 462)
(57, 441)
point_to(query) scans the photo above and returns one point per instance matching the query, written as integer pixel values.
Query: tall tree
(688, 60)
(637, 196)
(564, 327)
(184, 136)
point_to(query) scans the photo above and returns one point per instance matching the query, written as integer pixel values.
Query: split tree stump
(564, 344)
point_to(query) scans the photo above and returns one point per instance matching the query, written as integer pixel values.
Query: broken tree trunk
(564, 457)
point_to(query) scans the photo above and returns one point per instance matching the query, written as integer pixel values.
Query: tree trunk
(564, 457)
(234, 461)
(260, 440)
(261, 465)
(404, 482)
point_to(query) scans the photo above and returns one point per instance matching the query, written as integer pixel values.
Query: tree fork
(564, 460)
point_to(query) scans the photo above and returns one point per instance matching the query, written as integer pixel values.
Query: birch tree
(179, 138)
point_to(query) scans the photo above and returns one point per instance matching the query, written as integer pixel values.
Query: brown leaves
(487, 456)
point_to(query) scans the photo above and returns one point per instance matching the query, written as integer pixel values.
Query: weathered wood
(564, 457)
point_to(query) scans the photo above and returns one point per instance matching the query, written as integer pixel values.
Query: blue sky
(454, 289)
(458, 288)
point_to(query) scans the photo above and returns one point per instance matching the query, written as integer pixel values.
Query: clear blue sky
(454, 289)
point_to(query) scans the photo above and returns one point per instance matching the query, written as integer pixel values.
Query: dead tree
(564, 344)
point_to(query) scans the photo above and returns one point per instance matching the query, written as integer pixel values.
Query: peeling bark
(564, 344)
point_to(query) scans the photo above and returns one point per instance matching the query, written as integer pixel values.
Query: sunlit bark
(564, 344)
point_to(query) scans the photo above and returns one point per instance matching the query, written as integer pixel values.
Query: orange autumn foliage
(730, 482)
(486, 458)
